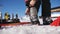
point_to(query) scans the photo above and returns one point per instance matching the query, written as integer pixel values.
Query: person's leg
(34, 11)
(34, 16)
(46, 10)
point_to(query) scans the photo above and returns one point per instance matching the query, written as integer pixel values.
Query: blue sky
(18, 6)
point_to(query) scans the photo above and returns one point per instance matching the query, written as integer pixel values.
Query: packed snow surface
(30, 29)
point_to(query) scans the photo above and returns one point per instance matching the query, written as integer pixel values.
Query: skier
(7, 16)
(32, 10)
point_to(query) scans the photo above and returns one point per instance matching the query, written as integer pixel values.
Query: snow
(41, 21)
(55, 14)
(25, 19)
(31, 29)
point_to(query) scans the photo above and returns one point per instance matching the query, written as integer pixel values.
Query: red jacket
(56, 22)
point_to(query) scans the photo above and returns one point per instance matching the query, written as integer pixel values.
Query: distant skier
(32, 10)
(7, 16)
